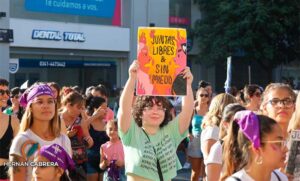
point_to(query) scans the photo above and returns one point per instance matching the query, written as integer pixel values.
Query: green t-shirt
(140, 158)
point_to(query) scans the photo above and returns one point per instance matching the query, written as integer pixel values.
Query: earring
(259, 160)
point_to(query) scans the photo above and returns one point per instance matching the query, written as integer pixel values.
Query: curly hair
(149, 101)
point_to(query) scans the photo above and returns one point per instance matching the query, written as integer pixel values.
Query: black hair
(3, 82)
(249, 91)
(65, 177)
(15, 91)
(92, 103)
(203, 84)
(102, 89)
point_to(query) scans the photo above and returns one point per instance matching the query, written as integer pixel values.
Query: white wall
(97, 37)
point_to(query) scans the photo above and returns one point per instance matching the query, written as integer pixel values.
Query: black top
(5, 141)
(99, 138)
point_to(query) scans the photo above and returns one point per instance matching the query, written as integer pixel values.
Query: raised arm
(124, 113)
(187, 103)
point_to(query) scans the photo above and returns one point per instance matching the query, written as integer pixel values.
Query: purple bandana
(249, 124)
(55, 153)
(33, 92)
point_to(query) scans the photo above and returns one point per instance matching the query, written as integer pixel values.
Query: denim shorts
(194, 149)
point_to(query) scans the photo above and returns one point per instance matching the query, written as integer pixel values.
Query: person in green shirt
(148, 133)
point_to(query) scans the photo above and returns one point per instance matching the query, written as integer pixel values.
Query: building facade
(72, 42)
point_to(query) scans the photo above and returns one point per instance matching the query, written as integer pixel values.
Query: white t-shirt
(215, 154)
(242, 175)
(209, 132)
(19, 143)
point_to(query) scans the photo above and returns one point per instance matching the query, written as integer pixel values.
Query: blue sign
(73, 36)
(46, 35)
(98, 8)
(56, 35)
(63, 64)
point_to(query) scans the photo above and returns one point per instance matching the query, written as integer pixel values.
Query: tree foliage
(266, 31)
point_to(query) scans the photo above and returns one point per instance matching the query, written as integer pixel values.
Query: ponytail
(230, 146)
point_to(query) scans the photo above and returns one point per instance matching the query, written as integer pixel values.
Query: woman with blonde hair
(39, 127)
(279, 104)
(211, 122)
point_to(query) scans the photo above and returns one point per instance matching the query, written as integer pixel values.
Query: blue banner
(98, 8)
(41, 63)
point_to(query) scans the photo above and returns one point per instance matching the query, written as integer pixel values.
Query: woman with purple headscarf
(39, 127)
(254, 150)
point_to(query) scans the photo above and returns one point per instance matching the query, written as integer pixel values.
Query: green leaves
(267, 31)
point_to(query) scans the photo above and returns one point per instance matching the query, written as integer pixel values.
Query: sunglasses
(203, 95)
(279, 143)
(2, 92)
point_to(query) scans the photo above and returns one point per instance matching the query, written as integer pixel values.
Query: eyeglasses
(257, 94)
(287, 102)
(279, 143)
(2, 92)
(203, 95)
(160, 109)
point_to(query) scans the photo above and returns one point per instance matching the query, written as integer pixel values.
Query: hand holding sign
(162, 59)
(188, 75)
(133, 69)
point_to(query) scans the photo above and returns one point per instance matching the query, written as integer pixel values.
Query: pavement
(183, 174)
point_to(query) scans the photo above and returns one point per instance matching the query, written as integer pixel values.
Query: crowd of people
(53, 133)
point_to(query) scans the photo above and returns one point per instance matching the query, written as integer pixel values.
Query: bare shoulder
(15, 120)
(15, 124)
